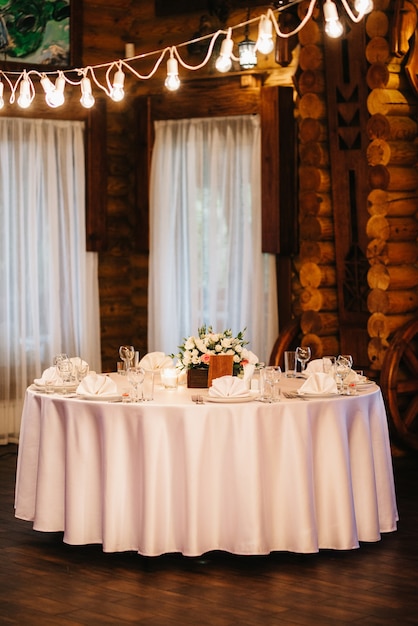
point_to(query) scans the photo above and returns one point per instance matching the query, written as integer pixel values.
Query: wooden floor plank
(44, 581)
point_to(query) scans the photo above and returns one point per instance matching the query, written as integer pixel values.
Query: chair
(288, 339)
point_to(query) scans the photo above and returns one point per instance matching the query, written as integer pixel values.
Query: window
(50, 291)
(206, 264)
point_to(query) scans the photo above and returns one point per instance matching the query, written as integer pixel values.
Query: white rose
(200, 345)
(190, 344)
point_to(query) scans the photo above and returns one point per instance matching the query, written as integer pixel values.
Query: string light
(27, 92)
(265, 43)
(87, 98)
(54, 94)
(363, 6)
(172, 82)
(56, 97)
(118, 92)
(224, 60)
(333, 26)
(267, 26)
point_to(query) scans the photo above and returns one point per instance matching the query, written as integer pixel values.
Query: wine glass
(81, 368)
(348, 357)
(65, 368)
(126, 353)
(303, 354)
(343, 368)
(136, 377)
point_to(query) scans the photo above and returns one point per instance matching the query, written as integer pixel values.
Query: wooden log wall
(392, 156)
(123, 266)
(393, 181)
(315, 289)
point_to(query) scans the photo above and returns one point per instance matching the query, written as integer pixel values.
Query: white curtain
(50, 300)
(206, 265)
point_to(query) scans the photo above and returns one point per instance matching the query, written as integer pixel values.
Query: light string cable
(354, 18)
(114, 89)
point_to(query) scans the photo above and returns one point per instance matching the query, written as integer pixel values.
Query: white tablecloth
(170, 476)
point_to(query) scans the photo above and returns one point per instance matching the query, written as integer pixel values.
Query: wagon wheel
(399, 382)
(288, 339)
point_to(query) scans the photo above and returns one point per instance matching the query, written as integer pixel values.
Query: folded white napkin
(314, 366)
(155, 361)
(353, 377)
(78, 363)
(50, 376)
(249, 369)
(227, 386)
(318, 383)
(97, 384)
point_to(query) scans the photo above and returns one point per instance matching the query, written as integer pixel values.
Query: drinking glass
(290, 363)
(65, 369)
(303, 354)
(80, 368)
(126, 354)
(136, 378)
(269, 379)
(343, 368)
(348, 357)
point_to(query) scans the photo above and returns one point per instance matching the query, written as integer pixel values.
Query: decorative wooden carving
(403, 38)
(347, 120)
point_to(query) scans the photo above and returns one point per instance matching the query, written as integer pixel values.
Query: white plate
(57, 388)
(228, 399)
(100, 398)
(364, 385)
(318, 396)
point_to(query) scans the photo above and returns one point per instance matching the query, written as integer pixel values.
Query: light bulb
(265, 43)
(55, 98)
(333, 26)
(224, 62)
(334, 29)
(24, 99)
(1, 95)
(87, 98)
(117, 94)
(172, 82)
(363, 6)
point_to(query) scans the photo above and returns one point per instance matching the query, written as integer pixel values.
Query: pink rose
(205, 358)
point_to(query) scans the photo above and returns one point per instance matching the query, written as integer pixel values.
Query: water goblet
(81, 369)
(65, 369)
(136, 378)
(126, 354)
(303, 354)
(342, 369)
(348, 357)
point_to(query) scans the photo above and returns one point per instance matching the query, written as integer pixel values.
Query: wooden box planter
(197, 378)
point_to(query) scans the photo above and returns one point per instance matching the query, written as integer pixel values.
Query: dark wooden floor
(43, 581)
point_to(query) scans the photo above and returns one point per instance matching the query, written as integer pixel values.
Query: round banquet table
(171, 476)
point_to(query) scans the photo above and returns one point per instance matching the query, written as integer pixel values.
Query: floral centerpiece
(195, 352)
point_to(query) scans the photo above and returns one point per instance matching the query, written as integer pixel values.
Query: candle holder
(169, 377)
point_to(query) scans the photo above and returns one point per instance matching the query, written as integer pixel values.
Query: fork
(292, 395)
